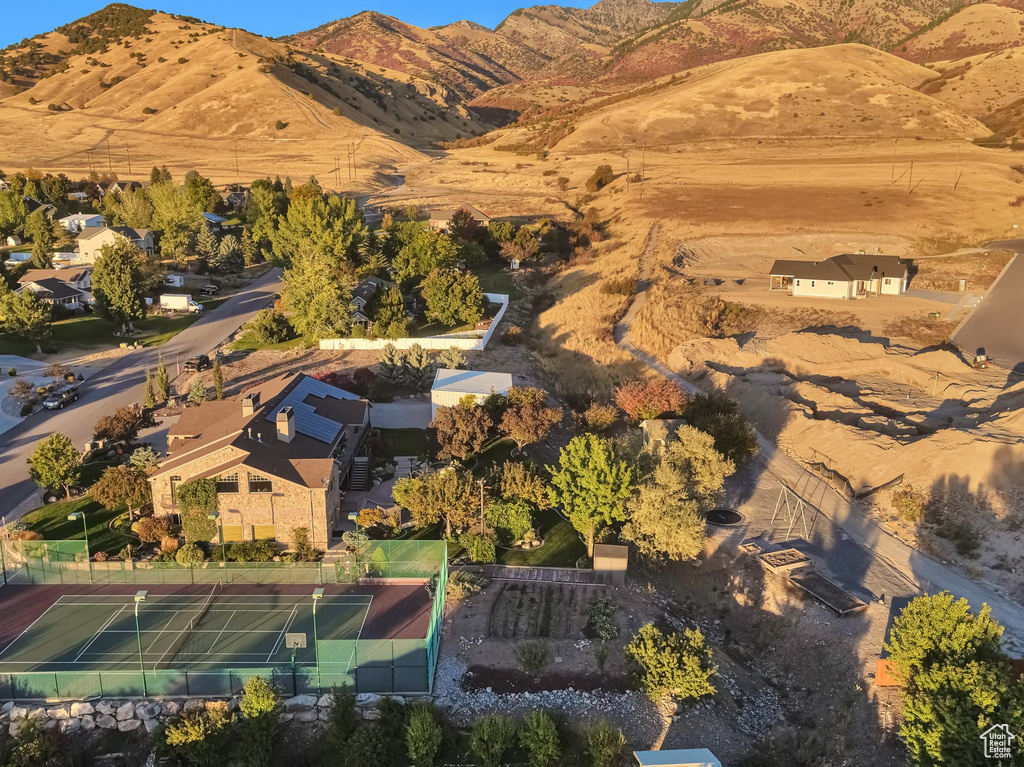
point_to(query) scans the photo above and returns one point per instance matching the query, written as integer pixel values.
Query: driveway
(120, 383)
(997, 324)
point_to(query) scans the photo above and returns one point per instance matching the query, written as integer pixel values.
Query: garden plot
(539, 610)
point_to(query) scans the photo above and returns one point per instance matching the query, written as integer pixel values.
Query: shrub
(492, 737)
(513, 336)
(605, 742)
(533, 656)
(271, 327)
(341, 719)
(259, 706)
(366, 746)
(12, 372)
(26, 409)
(199, 738)
(642, 400)
(304, 550)
(601, 618)
(600, 178)
(479, 548)
(280, 125)
(252, 551)
(600, 417)
(909, 503)
(675, 665)
(423, 736)
(151, 529)
(462, 585)
(182, 60)
(169, 545)
(189, 554)
(511, 520)
(621, 286)
(540, 740)
(148, 111)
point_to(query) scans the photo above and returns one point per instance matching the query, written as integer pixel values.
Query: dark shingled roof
(842, 268)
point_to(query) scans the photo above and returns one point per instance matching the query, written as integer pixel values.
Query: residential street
(120, 383)
(997, 325)
(926, 573)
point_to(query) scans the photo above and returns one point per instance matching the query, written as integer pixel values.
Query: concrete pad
(407, 414)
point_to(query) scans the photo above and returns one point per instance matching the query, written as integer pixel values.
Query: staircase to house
(360, 475)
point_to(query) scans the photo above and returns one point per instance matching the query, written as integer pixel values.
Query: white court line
(352, 657)
(284, 630)
(228, 621)
(158, 632)
(28, 628)
(97, 634)
(195, 631)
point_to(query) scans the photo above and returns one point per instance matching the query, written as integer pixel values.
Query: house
(68, 288)
(281, 454)
(843, 276)
(214, 221)
(78, 221)
(452, 386)
(362, 298)
(236, 197)
(658, 432)
(93, 238)
(123, 186)
(680, 757)
(13, 241)
(440, 220)
(32, 205)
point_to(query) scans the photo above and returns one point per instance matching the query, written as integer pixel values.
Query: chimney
(286, 424)
(249, 404)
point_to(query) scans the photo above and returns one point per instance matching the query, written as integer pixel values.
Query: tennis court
(101, 632)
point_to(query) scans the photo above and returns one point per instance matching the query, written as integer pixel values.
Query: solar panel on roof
(307, 420)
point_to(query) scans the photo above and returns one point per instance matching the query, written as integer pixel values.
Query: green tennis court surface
(182, 631)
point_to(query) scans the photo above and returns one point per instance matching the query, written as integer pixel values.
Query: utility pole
(892, 174)
(956, 167)
(128, 150)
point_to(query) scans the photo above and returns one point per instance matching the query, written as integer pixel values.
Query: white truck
(179, 302)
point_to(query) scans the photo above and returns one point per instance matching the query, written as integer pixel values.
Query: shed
(13, 241)
(610, 562)
(681, 757)
(659, 431)
(452, 386)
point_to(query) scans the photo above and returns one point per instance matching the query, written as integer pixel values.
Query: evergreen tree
(207, 246)
(40, 229)
(26, 316)
(218, 378)
(250, 252)
(229, 256)
(392, 365)
(117, 284)
(163, 380)
(149, 396)
(388, 313)
(159, 176)
(197, 391)
(451, 358)
(418, 367)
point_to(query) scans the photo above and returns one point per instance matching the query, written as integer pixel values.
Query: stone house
(282, 454)
(93, 238)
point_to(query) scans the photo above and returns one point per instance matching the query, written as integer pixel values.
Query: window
(232, 533)
(888, 281)
(831, 283)
(228, 483)
(259, 484)
(798, 282)
(812, 283)
(264, 533)
(175, 481)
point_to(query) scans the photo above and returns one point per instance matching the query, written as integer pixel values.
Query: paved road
(120, 383)
(997, 324)
(926, 573)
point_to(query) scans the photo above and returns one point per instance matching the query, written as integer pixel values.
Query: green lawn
(92, 331)
(428, 329)
(402, 442)
(562, 545)
(494, 279)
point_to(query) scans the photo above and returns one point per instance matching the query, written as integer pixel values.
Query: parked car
(59, 399)
(210, 290)
(197, 363)
(174, 281)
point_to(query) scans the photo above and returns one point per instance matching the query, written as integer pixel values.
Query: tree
(417, 367)
(511, 520)
(540, 740)
(720, 416)
(26, 316)
(218, 378)
(702, 468)
(452, 297)
(39, 228)
(672, 665)
(600, 178)
(250, 250)
(159, 176)
(117, 284)
(463, 226)
(518, 481)
(591, 485)
(392, 365)
(956, 680)
(122, 485)
(206, 244)
(663, 522)
(143, 458)
(317, 297)
(426, 251)
(492, 737)
(328, 226)
(651, 398)
(423, 736)
(197, 393)
(56, 463)
(200, 192)
(526, 419)
(388, 312)
(229, 256)
(451, 358)
(124, 424)
(260, 723)
(12, 213)
(449, 496)
(457, 432)
(523, 247)
(133, 208)
(149, 398)
(163, 379)
(271, 327)
(55, 189)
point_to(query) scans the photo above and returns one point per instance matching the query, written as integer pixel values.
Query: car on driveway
(59, 399)
(210, 290)
(197, 363)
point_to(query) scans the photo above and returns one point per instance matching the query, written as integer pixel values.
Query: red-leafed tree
(650, 398)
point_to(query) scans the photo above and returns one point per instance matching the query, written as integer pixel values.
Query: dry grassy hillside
(980, 84)
(840, 91)
(517, 58)
(975, 29)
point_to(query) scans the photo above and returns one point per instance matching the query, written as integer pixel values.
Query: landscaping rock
(324, 715)
(81, 709)
(129, 725)
(106, 707)
(14, 728)
(286, 717)
(194, 705)
(307, 716)
(233, 705)
(171, 707)
(148, 710)
(69, 725)
(370, 714)
(151, 724)
(216, 705)
(18, 713)
(88, 723)
(106, 721)
(125, 712)
(367, 699)
(5, 709)
(324, 701)
(49, 724)
(37, 713)
(300, 703)
(59, 712)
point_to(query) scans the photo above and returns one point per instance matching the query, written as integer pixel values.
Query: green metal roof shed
(685, 757)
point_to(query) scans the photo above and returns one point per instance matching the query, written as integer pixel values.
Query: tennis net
(183, 636)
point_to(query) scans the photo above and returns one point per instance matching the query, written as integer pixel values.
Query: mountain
(981, 28)
(485, 61)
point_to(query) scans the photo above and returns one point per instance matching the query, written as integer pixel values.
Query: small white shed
(451, 386)
(683, 757)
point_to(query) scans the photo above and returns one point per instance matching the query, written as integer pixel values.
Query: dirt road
(997, 325)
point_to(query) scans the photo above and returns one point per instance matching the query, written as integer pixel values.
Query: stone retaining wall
(127, 716)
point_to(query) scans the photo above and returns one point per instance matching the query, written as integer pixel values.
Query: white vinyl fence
(471, 340)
